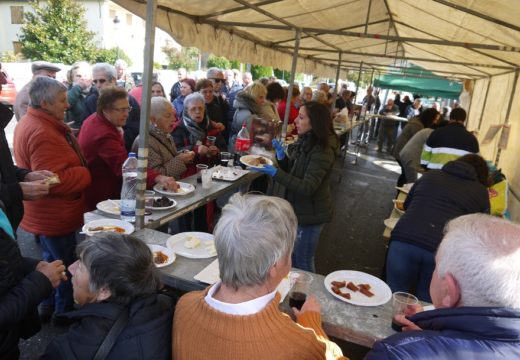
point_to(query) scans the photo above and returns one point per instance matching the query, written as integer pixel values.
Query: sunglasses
(217, 80)
(101, 81)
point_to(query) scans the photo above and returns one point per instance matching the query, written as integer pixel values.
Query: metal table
(357, 324)
(186, 203)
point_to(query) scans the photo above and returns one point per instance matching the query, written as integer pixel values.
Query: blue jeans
(60, 248)
(408, 266)
(306, 243)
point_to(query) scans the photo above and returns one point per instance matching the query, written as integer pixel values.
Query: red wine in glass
(296, 299)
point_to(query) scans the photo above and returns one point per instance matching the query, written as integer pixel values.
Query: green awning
(421, 82)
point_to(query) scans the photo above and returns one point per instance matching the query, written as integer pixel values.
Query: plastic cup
(200, 167)
(207, 182)
(300, 290)
(148, 198)
(225, 158)
(210, 140)
(400, 302)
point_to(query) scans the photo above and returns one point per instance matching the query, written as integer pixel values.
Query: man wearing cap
(39, 68)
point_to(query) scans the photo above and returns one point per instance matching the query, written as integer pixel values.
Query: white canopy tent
(464, 40)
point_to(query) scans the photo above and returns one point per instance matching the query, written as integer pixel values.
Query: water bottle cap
(132, 154)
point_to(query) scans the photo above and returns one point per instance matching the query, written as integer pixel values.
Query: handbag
(114, 332)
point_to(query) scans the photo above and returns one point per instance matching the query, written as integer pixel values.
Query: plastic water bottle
(129, 188)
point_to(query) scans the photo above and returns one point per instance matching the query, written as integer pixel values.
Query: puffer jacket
(146, 336)
(305, 175)
(476, 333)
(42, 142)
(245, 106)
(437, 197)
(11, 194)
(21, 290)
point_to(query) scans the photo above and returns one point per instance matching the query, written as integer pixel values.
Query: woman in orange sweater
(42, 141)
(238, 317)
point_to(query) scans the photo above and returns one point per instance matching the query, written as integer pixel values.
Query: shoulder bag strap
(113, 334)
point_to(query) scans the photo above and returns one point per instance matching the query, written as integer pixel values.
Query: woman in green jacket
(304, 172)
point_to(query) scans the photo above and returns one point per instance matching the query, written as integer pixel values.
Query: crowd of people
(72, 140)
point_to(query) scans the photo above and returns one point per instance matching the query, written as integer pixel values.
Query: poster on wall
(504, 137)
(491, 133)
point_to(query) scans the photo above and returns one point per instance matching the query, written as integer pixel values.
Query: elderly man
(38, 68)
(387, 129)
(104, 76)
(247, 78)
(239, 316)
(175, 92)
(476, 293)
(124, 79)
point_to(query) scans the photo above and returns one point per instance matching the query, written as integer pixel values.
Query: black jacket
(305, 175)
(437, 197)
(11, 194)
(147, 335)
(477, 333)
(21, 290)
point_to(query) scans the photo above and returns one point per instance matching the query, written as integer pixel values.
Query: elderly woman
(102, 143)
(459, 188)
(187, 88)
(192, 130)
(42, 141)
(304, 172)
(239, 316)
(115, 283)
(247, 103)
(162, 152)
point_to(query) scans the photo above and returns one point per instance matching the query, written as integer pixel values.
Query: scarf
(197, 131)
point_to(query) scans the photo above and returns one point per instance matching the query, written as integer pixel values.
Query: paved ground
(353, 240)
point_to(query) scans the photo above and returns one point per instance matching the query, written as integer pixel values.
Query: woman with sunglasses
(101, 141)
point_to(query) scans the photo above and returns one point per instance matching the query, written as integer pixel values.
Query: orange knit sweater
(201, 332)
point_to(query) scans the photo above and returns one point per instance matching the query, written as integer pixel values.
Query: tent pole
(358, 80)
(483, 105)
(372, 77)
(333, 105)
(506, 122)
(368, 15)
(291, 84)
(142, 158)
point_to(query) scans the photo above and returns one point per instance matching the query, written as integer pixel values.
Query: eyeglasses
(217, 80)
(196, 109)
(101, 81)
(125, 109)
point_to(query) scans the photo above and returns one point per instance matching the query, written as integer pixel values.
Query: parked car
(8, 93)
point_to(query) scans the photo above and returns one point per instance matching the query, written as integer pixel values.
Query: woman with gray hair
(42, 141)
(238, 316)
(116, 284)
(162, 152)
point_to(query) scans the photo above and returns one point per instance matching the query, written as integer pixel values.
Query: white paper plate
(111, 207)
(227, 173)
(87, 228)
(210, 275)
(184, 189)
(247, 158)
(382, 292)
(176, 243)
(165, 251)
(391, 222)
(396, 208)
(162, 208)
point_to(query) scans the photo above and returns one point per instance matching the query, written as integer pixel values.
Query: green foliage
(235, 64)
(187, 57)
(282, 74)
(219, 62)
(57, 32)
(157, 65)
(8, 56)
(111, 55)
(259, 71)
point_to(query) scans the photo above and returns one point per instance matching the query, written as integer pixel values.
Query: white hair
(44, 88)
(482, 252)
(193, 98)
(319, 96)
(253, 233)
(158, 106)
(105, 68)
